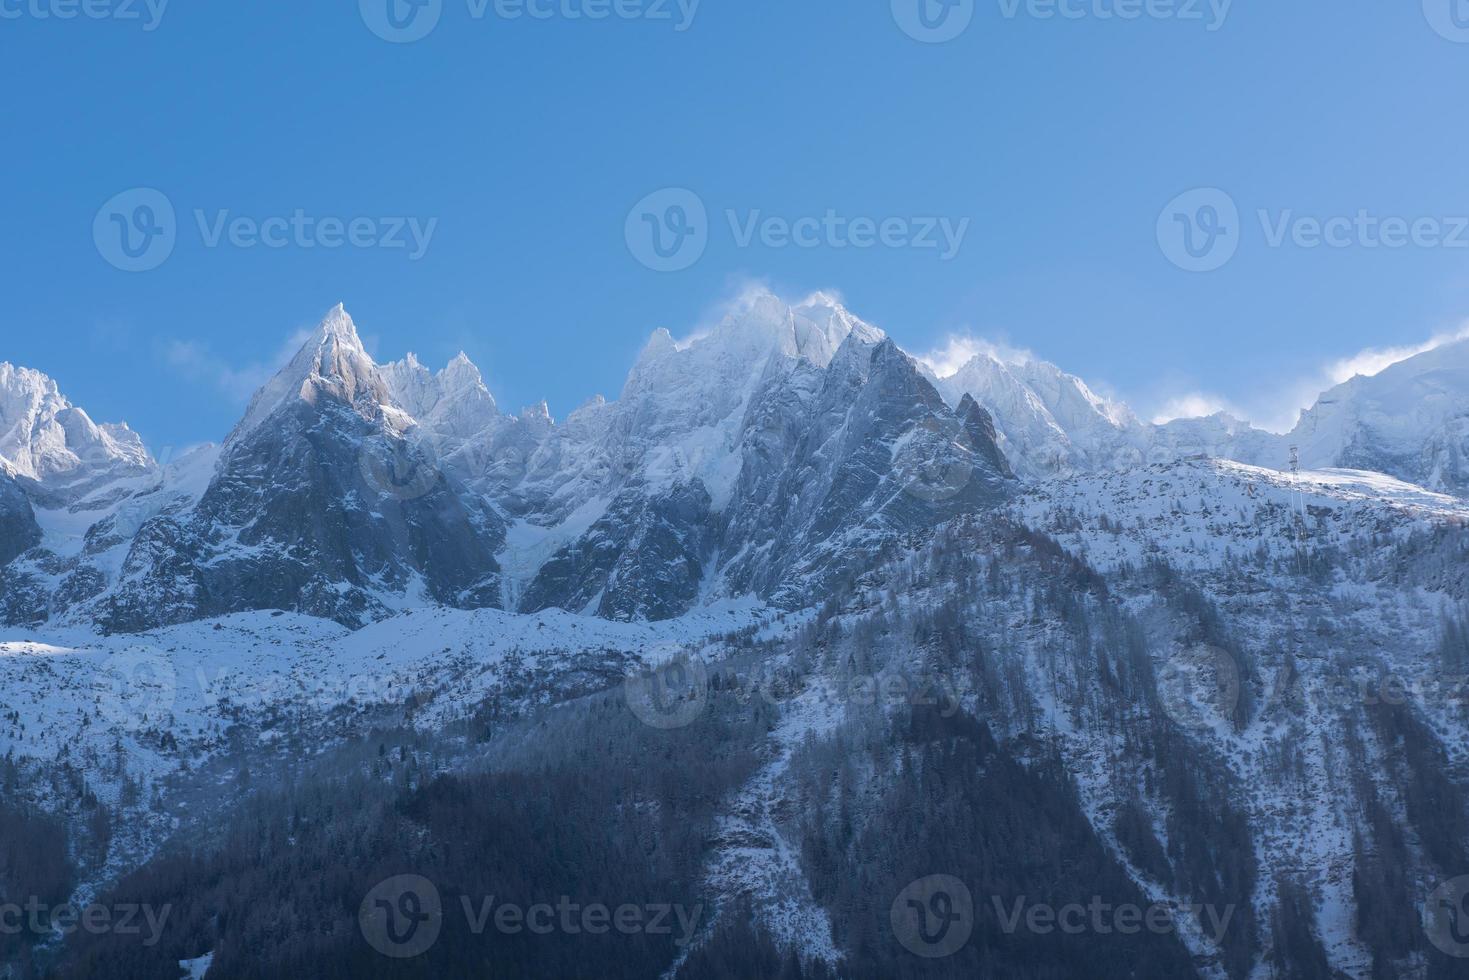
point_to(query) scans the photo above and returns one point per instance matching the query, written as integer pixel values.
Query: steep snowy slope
(318, 504)
(1314, 666)
(1410, 421)
(159, 725)
(45, 439)
(1240, 681)
(1050, 422)
(881, 458)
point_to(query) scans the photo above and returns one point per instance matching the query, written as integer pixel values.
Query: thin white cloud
(1279, 409)
(1192, 405)
(1375, 360)
(196, 362)
(743, 292)
(1283, 411)
(958, 349)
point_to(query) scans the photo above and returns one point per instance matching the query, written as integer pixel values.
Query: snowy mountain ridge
(351, 489)
(46, 439)
(691, 486)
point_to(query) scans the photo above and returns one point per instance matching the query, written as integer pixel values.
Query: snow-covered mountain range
(1152, 625)
(759, 459)
(756, 459)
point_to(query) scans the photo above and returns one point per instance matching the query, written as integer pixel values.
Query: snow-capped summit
(452, 404)
(323, 501)
(332, 363)
(760, 324)
(43, 437)
(1410, 420)
(1049, 422)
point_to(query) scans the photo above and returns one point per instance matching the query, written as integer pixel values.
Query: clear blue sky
(530, 140)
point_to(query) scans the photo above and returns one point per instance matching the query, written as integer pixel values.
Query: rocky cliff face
(19, 531)
(318, 504)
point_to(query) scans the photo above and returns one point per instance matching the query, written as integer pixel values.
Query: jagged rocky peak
(332, 364)
(318, 505)
(822, 324)
(1027, 385)
(44, 438)
(813, 328)
(1048, 422)
(453, 403)
(1070, 399)
(853, 356)
(979, 429)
